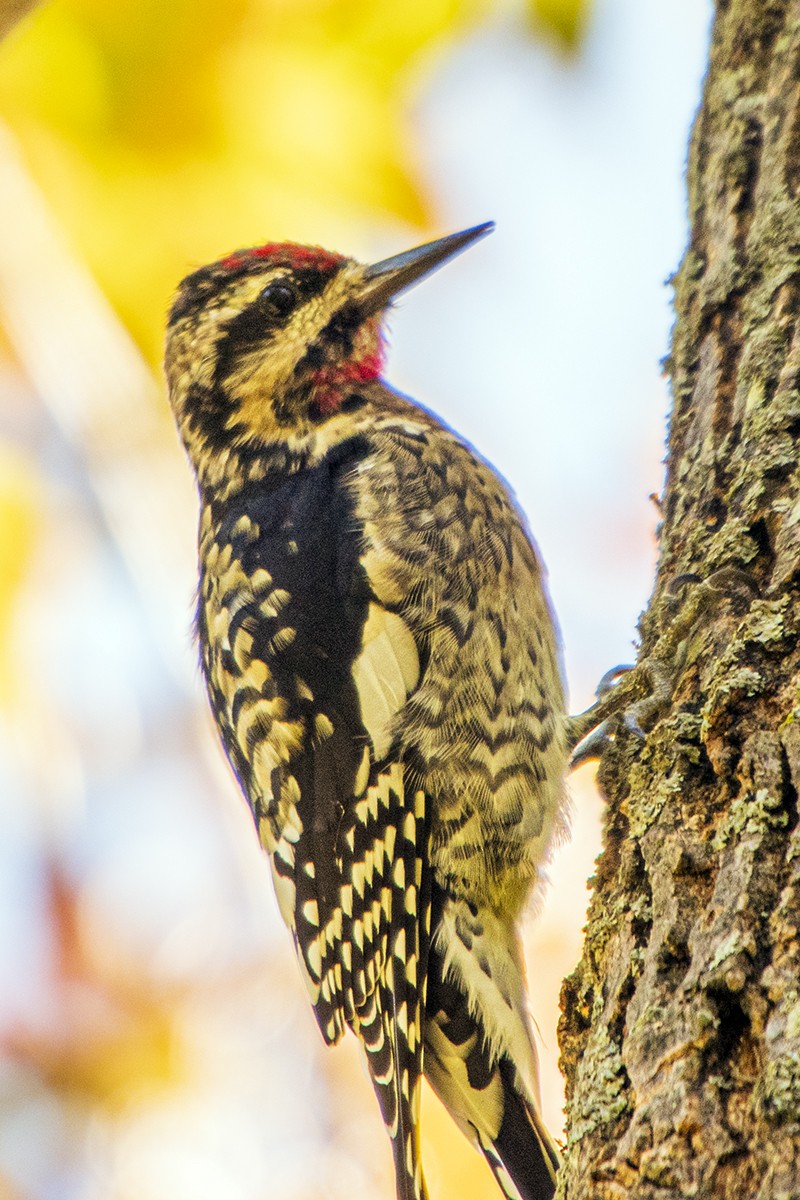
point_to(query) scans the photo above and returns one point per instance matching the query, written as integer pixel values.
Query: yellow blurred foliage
(563, 20)
(116, 1037)
(165, 134)
(19, 516)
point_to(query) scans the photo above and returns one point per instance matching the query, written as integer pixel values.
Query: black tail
(523, 1150)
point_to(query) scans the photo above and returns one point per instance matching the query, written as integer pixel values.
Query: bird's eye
(279, 299)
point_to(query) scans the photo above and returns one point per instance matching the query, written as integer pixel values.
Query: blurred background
(155, 1038)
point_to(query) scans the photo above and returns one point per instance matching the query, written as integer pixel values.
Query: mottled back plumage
(382, 665)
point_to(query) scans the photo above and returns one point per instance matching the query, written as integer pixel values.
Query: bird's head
(271, 341)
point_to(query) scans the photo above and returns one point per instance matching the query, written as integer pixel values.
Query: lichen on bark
(680, 1032)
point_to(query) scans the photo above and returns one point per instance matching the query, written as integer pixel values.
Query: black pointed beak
(385, 280)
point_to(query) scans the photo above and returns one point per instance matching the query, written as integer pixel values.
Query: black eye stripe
(255, 325)
(199, 289)
(310, 282)
(249, 328)
(337, 335)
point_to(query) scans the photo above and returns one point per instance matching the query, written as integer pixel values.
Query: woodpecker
(383, 667)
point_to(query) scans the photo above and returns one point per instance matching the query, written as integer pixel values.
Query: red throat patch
(333, 382)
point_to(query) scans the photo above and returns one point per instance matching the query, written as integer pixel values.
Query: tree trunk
(680, 1031)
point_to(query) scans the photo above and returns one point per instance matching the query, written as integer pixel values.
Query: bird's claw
(611, 679)
(590, 747)
(590, 732)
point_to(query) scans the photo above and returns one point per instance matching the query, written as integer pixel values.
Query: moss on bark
(680, 1032)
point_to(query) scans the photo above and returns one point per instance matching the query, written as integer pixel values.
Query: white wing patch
(385, 673)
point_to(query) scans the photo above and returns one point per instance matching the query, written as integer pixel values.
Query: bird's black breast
(308, 540)
(297, 596)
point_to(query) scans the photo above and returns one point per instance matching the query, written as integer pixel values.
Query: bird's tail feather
(522, 1156)
(481, 1086)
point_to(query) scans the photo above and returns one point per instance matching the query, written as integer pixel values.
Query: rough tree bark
(680, 1031)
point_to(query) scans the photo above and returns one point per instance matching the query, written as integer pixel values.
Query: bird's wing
(322, 671)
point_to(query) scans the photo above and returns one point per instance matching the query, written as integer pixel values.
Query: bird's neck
(333, 381)
(239, 467)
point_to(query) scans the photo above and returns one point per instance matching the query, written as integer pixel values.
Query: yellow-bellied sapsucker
(382, 664)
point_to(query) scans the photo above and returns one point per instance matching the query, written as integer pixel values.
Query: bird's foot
(638, 695)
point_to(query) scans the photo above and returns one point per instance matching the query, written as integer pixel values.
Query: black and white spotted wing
(316, 671)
